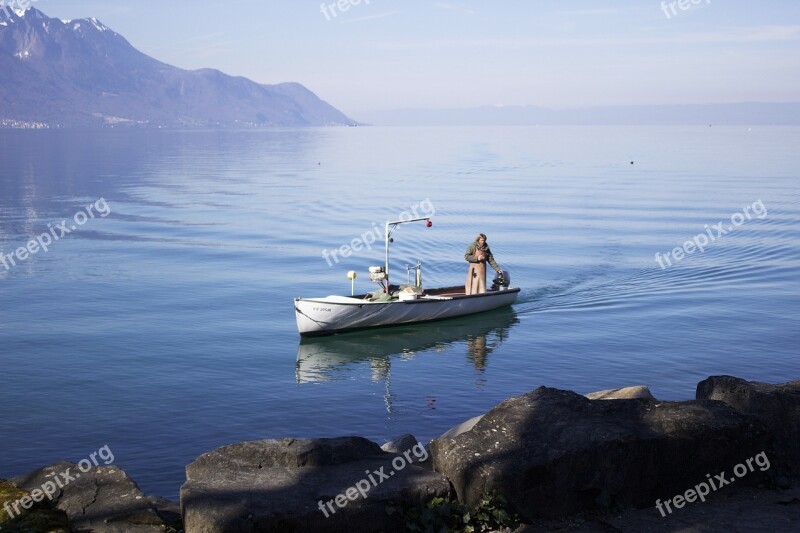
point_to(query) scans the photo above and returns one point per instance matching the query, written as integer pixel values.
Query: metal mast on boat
(390, 227)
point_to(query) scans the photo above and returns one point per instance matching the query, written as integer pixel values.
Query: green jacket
(470, 255)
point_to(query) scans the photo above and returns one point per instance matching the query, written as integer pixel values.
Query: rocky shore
(547, 460)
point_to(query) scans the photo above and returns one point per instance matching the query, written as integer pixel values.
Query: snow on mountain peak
(97, 24)
(27, 11)
(9, 12)
(78, 24)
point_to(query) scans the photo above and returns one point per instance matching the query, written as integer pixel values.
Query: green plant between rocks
(441, 515)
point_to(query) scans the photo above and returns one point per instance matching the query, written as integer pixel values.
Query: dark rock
(102, 500)
(400, 444)
(280, 485)
(777, 406)
(168, 511)
(553, 452)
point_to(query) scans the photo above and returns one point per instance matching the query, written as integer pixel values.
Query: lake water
(166, 328)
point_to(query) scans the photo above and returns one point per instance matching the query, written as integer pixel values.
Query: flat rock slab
(102, 500)
(461, 428)
(400, 444)
(625, 393)
(777, 406)
(552, 452)
(293, 485)
(744, 509)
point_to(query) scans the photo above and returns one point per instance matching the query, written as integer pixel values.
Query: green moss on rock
(9, 494)
(37, 519)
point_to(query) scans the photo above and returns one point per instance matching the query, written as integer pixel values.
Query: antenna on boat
(390, 227)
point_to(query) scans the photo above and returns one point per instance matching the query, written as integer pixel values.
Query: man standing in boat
(478, 254)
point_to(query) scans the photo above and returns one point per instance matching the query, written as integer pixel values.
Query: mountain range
(80, 73)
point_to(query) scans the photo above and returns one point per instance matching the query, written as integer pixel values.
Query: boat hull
(336, 314)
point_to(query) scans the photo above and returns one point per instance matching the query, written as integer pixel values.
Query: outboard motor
(501, 281)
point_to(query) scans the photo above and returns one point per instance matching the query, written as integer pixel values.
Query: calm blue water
(166, 328)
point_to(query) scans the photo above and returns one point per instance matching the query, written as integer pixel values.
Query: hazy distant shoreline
(739, 114)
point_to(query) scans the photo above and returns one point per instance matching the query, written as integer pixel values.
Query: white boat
(395, 305)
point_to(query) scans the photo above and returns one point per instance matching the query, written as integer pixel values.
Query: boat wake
(605, 288)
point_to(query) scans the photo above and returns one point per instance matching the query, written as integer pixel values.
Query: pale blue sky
(389, 54)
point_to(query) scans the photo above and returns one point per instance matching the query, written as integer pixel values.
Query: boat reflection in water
(333, 358)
